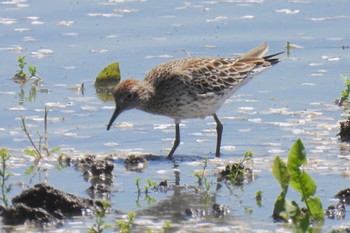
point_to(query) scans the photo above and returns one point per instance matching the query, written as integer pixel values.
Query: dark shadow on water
(164, 158)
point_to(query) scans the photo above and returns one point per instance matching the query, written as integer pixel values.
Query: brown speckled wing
(205, 75)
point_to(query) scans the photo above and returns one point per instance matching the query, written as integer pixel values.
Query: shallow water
(71, 41)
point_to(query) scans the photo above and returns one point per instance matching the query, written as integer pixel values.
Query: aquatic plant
(138, 179)
(101, 213)
(37, 151)
(150, 184)
(21, 64)
(125, 226)
(21, 74)
(344, 93)
(258, 198)
(202, 178)
(288, 47)
(33, 71)
(4, 176)
(291, 174)
(236, 171)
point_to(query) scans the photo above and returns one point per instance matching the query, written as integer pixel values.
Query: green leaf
(31, 152)
(293, 210)
(303, 184)
(296, 157)
(279, 209)
(304, 225)
(151, 183)
(345, 94)
(55, 149)
(315, 208)
(280, 171)
(346, 79)
(32, 70)
(29, 170)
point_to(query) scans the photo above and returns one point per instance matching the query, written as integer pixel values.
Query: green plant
(125, 226)
(149, 185)
(204, 185)
(258, 198)
(202, 178)
(37, 151)
(32, 71)
(21, 74)
(237, 170)
(4, 176)
(148, 198)
(291, 174)
(21, 64)
(345, 93)
(288, 47)
(101, 213)
(138, 179)
(237, 173)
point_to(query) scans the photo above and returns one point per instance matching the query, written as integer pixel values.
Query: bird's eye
(130, 96)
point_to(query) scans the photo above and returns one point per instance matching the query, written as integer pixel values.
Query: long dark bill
(114, 116)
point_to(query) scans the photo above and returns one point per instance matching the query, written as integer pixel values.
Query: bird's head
(126, 97)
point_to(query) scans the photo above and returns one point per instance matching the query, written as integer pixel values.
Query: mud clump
(90, 166)
(344, 131)
(217, 210)
(135, 163)
(98, 172)
(344, 196)
(237, 174)
(45, 204)
(336, 212)
(20, 213)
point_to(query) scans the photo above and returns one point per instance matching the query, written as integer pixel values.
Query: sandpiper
(192, 87)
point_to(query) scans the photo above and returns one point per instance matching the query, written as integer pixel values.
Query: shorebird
(192, 87)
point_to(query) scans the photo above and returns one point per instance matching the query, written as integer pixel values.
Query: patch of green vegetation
(101, 213)
(236, 172)
(125, 226)
(150, 184)
(258, 198)
(110, 75)
(202, 178)
(21, 74)
(204, 185)
(33, 71)
(21, 64)
(291, 174)
(4, 176)
(344, 93)
(106, 81)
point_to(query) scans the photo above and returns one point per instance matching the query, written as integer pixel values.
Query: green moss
(110, 75)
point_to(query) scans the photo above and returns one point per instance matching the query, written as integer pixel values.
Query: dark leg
(219, 128)
(177, 140)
